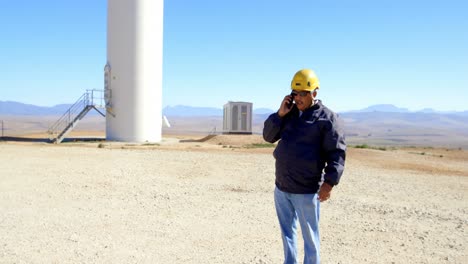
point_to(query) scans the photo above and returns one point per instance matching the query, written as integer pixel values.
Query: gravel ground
(194, 203)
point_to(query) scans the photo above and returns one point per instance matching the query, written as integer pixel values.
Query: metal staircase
(92, 99)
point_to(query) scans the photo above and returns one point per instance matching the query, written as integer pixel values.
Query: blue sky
(412, 54)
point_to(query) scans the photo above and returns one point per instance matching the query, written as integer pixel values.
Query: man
(310, 158)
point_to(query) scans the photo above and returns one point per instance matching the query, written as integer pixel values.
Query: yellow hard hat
(305, 80)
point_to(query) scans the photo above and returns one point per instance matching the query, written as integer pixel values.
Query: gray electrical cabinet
(237, 118)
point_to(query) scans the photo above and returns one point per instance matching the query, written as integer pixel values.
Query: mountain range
(17, 108)
(383, 124)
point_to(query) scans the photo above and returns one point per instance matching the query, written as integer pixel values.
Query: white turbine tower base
(133, 73)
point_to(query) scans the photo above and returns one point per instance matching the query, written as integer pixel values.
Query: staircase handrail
(87, 99)
(96, 100)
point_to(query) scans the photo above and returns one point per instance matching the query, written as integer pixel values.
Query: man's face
(303, 99)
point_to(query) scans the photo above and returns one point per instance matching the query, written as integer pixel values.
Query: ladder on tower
(91, 99)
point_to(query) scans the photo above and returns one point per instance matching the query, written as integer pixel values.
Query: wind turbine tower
(133, 73)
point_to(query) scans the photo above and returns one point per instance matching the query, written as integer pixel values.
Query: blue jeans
(291, 207)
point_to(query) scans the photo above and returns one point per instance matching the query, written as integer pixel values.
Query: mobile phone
(290, 103)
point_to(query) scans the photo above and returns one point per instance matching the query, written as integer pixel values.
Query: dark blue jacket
(310, 146)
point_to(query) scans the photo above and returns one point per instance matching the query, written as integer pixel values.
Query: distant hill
(377, 125)
(427, 110)
(182, 110)
(262, 111)
(16, 108)
(408, 129)
(383, 108)
(416, 120)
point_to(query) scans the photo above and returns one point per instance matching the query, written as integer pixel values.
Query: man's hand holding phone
(286, 105)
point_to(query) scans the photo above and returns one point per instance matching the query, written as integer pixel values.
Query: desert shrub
(362, 146)
(151, 144)
(260, 145)
(365, 146)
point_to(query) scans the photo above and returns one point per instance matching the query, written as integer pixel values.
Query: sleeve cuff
(332, 184)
